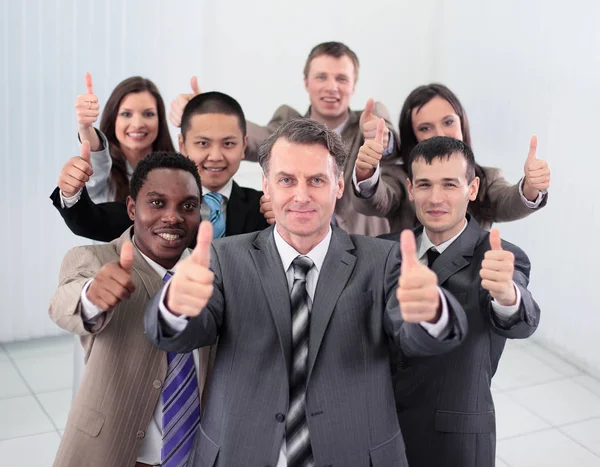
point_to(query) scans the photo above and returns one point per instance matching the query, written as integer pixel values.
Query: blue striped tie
(180, 407)
(214, 202)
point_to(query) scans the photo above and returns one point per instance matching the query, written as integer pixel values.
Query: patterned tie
(180, 407)
(214, 202)
(432, 255)
(298, 449)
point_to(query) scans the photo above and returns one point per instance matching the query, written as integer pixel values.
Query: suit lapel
(274, 283)
(459, 254)
(333, 277)
(237, 211)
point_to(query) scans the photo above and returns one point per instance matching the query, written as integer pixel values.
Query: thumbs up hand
(113, 284)
(417, 286)
(370, 153)
(537, 173)
(177, 106)
(86, 106)
(497, 270)
(368, 124)
(192, 284)
(76, 172)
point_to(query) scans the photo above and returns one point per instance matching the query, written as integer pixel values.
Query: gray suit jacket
(349, 401)
(445, 404)
(124, 373)
(346, 216)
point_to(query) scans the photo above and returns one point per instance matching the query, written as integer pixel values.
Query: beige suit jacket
(391, 200)
(124, 372)
(346, 216)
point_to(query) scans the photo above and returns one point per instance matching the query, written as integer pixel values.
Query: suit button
(140, 434)
(280, 417)
(157, 384)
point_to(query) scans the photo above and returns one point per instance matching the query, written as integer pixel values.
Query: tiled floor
(548, 412)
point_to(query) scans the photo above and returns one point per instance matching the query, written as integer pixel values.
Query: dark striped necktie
(298, 449)
(180, 407)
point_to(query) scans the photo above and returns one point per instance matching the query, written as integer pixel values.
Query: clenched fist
(497, 270)
(113, 282)
(266, 208)
(177, 106)
(537, 173)
(368, 124)
(76, 172)
(370, 154)
(192, 284)
(417, 286)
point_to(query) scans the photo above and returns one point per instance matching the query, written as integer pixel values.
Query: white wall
(518, 67)
(532, 67)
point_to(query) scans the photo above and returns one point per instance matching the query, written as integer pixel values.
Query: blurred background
(519, 68)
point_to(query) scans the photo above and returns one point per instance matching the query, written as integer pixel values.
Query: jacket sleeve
(103, 222)
(257, 134)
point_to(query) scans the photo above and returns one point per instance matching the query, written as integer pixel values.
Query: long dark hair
(118, 173)
(481, 206)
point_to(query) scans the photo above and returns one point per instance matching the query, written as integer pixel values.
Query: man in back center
(330, 76)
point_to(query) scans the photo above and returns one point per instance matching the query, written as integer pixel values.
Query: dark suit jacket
(444, 404)
(349, 401)
(107, 221)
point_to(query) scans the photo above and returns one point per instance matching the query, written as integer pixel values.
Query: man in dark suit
(303, 313)
(213, 135)
(444, 404)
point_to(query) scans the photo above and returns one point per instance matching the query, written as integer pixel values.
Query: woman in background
(133, 124)
(434, 110)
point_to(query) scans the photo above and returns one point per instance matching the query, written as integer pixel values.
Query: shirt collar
(225, 191)
(425, 242)
(342, 125)
(288, 254)
(161, 271)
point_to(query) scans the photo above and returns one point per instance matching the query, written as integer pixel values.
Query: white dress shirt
(424, 244)
(150, 448)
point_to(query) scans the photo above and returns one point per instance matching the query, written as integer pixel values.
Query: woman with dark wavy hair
(434, 110)
(133, 124)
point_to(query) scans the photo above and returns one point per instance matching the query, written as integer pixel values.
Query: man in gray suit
(304, 315)
(444, 404)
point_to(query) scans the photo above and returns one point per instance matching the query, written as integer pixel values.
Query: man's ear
(474, 189)
(265, 185)
(245, 146)
(409, 188)
(130, 208)
(181, 144)
(341, 184)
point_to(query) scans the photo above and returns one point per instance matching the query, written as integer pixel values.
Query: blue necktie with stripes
(214, 202)
(180, 407)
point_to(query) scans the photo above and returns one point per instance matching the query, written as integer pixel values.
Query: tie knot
(302, 265)
(213, 200)
(167, 276)
(432, 255)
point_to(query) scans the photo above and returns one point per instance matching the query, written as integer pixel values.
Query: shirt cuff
(526, 202)
(89, 311)
(505, 312)
(436, 329)
(174, 323)
(390, 146)
(366, 188)
(69, 202)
